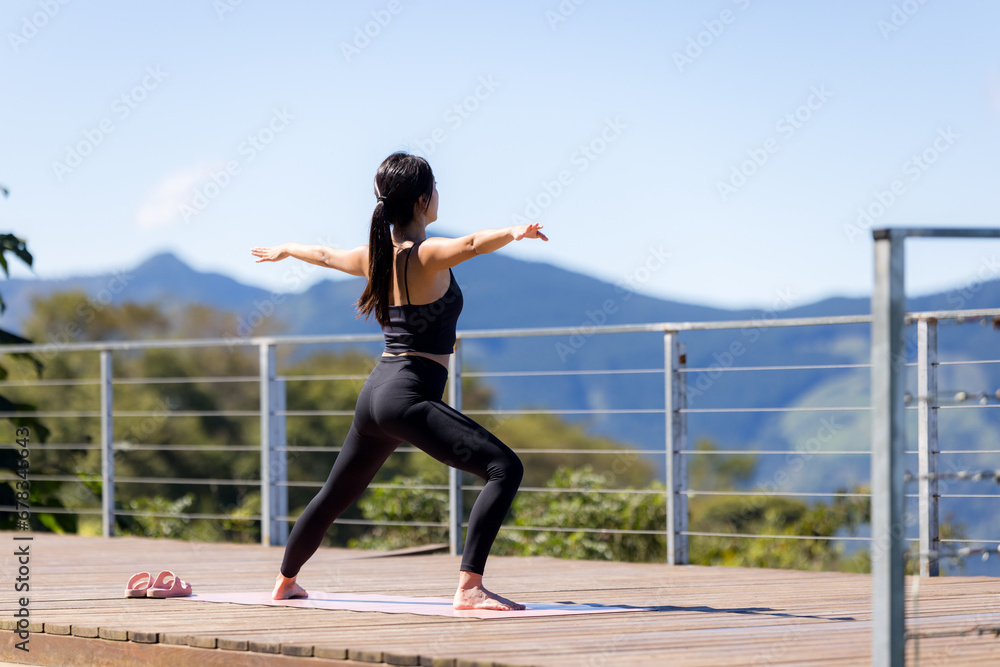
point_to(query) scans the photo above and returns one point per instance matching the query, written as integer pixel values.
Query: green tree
(11, 460)
(156, 443)
(408, 503)
(526, 433)
(598, 511)
(713, 472)
(405, 469)
(609, 492)
(773, 515)
(601, 510)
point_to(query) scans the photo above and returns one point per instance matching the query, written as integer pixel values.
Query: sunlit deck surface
(701, 616)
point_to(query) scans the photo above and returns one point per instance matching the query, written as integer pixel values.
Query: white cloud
(162, 206)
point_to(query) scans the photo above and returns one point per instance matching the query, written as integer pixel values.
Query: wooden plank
(704, 615)
(60, 651)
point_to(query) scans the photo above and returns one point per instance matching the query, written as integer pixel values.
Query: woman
(412, 293)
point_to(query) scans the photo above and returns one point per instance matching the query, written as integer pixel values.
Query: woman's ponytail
(399, 183)
(375, 299)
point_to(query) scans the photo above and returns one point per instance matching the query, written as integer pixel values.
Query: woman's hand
(528, 232)
(275, 254)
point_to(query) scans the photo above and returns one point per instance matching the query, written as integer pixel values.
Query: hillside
(502, 292)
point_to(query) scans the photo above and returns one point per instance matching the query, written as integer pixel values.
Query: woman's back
(424, 316)
(414, 283)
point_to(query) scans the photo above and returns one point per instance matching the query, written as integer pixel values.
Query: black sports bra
(426, 327)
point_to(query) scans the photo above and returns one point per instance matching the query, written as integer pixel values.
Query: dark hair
(400, 181)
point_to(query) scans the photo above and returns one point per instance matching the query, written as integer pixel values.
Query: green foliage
(238, 526)
(543, 431)
(404, 504)
(949, 529)
(587, 520)
(68, 317)
(161, 518)
(49, 494)
(18, 246)
(593, 508)
(773, 515)
(10, 460)
(714, 472)
(594, 505)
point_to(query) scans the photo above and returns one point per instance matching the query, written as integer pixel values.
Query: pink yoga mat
(397, 604)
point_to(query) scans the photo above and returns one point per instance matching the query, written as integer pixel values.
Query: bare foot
(472, 595)
(285, 588)
(480, 598)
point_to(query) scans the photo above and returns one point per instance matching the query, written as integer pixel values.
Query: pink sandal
(167, 585)
(137, 585)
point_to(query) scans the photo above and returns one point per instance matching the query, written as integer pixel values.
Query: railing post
(676, 443)
(279, 465)
(273, 454)
(107, 446)
(456, 508)
(927, 438)
(888, 362)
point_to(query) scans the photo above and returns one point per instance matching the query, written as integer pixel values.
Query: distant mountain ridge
(506, 293)
(502, 292)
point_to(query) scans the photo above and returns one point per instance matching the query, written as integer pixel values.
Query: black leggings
(401, 401)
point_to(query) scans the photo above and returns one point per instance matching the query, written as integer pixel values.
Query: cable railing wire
(942, 400)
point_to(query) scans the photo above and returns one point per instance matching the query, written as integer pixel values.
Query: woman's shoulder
(439, 253)
(435, 245)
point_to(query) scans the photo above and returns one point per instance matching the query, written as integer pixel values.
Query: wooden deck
(702, 616)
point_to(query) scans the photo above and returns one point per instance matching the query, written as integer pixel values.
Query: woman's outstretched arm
(441, 253)
(354, 262)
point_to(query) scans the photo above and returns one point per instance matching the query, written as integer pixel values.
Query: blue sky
(739, 137)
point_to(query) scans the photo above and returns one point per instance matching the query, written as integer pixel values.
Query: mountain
(506, 293)
(162, 278)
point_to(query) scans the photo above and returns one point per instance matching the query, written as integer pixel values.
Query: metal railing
(890, 403)
(274, 484)
(888, 446)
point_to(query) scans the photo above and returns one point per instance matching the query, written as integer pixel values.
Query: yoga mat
(397, 604)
